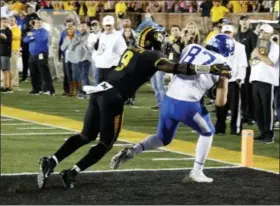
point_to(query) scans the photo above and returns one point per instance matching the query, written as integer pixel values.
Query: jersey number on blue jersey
(193, 53)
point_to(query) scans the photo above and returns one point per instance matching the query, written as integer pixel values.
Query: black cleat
(268, 140)
(259, 138)
(67, 178)
(46, 168)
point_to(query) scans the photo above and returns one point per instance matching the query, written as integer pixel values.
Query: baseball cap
(227, 28)
(108, 20)
(267, 28)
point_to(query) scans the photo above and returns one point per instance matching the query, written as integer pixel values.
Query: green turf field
(21, 152)
(23, 143)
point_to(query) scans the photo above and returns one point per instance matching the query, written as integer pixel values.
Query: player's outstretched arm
(190, 69)
(222, 91)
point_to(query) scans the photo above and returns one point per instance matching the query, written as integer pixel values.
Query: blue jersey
(192, 88)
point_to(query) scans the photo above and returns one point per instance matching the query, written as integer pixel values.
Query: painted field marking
(163, 149)
(16, 124)
(6, 120)
(39, 133)
(172, 159)
(35, 128)
(124, 170)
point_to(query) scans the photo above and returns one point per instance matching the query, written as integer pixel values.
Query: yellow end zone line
(217, 153)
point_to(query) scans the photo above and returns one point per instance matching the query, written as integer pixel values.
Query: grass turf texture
(141, 119)
(26, 145)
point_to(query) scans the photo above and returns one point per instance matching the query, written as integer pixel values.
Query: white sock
(151, 142)
(55, 159)
(202, 149)
(76, 168)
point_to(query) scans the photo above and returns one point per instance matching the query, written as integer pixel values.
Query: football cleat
(46, 168)
(122, 157)
(197, 176)
(67, 178)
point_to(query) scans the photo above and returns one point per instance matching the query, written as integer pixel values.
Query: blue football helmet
(221, 44)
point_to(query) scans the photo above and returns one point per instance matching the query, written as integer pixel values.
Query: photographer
(174, 46)
(264, 77)
(38, 61)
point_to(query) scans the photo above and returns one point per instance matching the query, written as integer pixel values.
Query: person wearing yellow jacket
(120, 9)
(16, 44)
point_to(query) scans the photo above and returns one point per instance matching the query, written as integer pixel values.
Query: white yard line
(152, 151)
(115, 145)
(37, 134)
(172, 159)
(16, 124)
(35, 128)
(6, 120)
(119, 139)
(124, 170)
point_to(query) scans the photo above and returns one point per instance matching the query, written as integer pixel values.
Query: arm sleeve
(120, 46)
(28, 39)
(42, 36)
(65, 44)
(274, 53)
(243, 63)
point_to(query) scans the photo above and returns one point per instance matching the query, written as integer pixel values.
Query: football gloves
(221, 69)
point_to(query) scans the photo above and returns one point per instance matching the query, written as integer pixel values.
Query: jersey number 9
(125, 60)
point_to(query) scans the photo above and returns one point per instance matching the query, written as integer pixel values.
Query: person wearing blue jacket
(41, 79)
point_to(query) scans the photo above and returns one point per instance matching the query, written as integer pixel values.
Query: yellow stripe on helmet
(142, 37)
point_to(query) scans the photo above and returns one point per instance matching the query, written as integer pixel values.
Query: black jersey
(135, 68)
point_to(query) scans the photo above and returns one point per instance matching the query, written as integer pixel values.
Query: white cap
(267, 28)
(227, 28)
(108, 20)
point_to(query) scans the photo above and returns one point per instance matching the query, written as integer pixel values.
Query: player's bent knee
(84, 137)
(166, 140)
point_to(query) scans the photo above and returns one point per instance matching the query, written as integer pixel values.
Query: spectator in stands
(238, 63)
(267, 6)
(120, 9)
(95, 31)
(16, 44)
(92, 9)
(5, 54)
(17, 6)
(234, 6)
(170, 6)
(191, 34)
(41, 79)
(218, 11)
(264, 77)
(108, 49)
(61, 56)
(82, 9)
(5, 10)
(247, 37)
(48, 5)
(206, 7)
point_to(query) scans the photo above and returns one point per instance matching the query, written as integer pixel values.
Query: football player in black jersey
(104, 114)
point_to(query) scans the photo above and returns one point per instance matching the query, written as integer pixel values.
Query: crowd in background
(94, 47)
